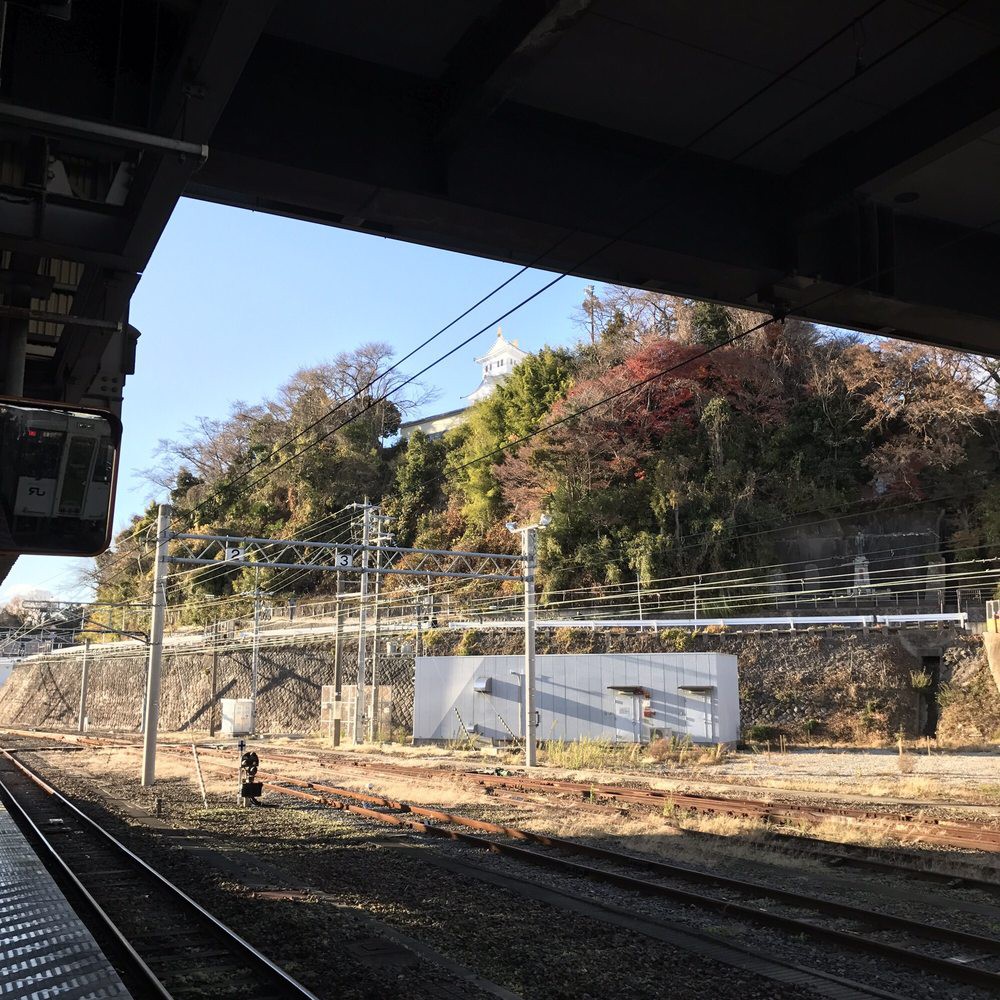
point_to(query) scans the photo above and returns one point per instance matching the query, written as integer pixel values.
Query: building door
(626, 717)
(700, 711)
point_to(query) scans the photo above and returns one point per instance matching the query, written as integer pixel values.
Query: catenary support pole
(84, 679)
(529, 547)
(359, 701)
(373, 701)
(152, 719)
(338, 663)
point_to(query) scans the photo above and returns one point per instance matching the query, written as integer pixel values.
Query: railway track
(907, 827)
(707, 945)
(167, 945)
(578, 795)
(622, 799)
(944, 951)
(925, 949)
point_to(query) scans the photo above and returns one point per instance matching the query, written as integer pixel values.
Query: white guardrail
(273, 636)
(799, 621)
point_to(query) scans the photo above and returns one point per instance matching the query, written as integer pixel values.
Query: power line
(579, 264)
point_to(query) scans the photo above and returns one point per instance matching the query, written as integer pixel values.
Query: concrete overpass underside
(833, 161)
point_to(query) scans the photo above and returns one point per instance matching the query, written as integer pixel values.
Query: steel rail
(137, 966)
(947, 832)
(802, 845)
(292, 987)
(943, 832)
(650, 864)
(941, 966)
(970, 835)
(953, 969)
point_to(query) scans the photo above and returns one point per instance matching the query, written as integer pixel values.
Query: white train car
(619, 697)
(57, 473)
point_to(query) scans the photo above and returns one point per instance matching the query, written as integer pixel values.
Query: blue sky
(234, 302)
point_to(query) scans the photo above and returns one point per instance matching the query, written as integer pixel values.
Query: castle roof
(502, 347)
(488, 383)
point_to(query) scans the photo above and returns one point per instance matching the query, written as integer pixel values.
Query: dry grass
(658, 835)
(126, 761)
(591, 753)
(688, 767)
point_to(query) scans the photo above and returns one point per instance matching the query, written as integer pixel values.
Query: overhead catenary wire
(575, 414)
(656, 171)
(780, 77)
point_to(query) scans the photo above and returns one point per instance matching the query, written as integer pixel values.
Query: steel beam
(943, 118)
(506, 46)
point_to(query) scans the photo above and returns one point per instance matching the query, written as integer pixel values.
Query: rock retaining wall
(968, 698)
(849, 686)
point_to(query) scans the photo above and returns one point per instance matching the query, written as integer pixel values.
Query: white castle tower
(498, 362)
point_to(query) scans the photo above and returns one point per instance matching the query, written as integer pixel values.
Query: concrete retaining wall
(45, 690)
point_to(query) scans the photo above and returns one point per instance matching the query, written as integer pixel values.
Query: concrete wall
(45, 690)
(581, 696)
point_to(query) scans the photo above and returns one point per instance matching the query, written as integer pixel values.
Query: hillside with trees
(667, 441)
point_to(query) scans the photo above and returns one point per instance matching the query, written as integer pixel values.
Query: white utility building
(620, 697)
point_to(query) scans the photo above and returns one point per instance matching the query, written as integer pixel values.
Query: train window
(104, 464)
(57, 476)
(41, 452)
(77, 480)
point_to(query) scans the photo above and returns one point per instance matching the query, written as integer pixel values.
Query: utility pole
(338, 662)
(152, 712)
(359, 703)
(255, 651)
(638, 590)
(418, 643)
(373, 703)
(380, 539)
(529, 548)
(529, 558)
(84, 678)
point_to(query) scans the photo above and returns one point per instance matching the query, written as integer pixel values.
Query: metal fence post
(359, 702)
(84, 678)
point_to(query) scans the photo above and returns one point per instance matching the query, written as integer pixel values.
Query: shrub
(676, 640)
(434, 638)
(948, 694)
(714, 755)
(670, 748)
(470, 642)
(760, 733)
(920, 680)
(573, 640)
